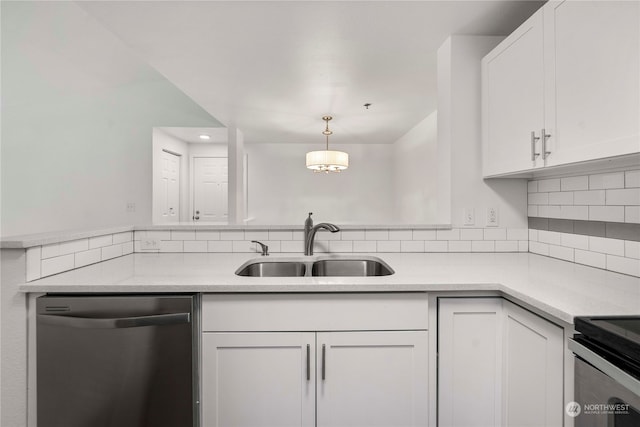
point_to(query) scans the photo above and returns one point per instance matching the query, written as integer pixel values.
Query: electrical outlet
(469, 217)
(149, 244)
(131, 207)
(492, 217)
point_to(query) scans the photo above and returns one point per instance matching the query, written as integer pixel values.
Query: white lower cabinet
(258, 373)
(498, 364)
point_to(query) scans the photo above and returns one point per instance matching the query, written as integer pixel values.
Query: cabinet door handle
(308, 362)
(544, 135)
(534, 138)
(324, 362)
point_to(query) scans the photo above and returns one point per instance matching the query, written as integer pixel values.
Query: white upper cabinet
(593, 76)
(513, 100)
(571, 71)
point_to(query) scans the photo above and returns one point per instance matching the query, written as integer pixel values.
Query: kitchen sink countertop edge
(561, 289)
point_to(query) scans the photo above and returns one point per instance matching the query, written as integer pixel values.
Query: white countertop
(558, 288)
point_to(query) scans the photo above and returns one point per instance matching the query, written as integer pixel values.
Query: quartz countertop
(558, 288)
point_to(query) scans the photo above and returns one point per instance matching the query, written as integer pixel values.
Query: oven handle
(608, 368)
(115, 323)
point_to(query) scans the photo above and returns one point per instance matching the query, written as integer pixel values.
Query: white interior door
(210, 189)
(372, 379)
(170, 187)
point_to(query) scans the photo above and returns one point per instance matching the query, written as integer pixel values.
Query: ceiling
(274, 68)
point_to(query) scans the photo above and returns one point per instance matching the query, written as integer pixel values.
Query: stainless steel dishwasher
(117, 360)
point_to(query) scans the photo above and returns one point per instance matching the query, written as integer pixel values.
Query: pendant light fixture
(327, 160)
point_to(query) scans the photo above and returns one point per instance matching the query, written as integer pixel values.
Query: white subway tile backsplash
(341, 246)
(549, 211)
(632, 179)
(274, 246)
(88, 257)
(127, 248)
(607, 246)
(101, 241)
(574, 183)
(517, 234)
(623, 265)
(561, 252)
(459, 246)
(533, 235)
(538, 198)
(551, 237)
(453, 234)
(243, 246)
(388, 246)
(483, 246)
(291, 246)
(561, 198)
(280, 235)
(115, 251)
(539, 248)
(495, 234)
(154, 234)
(574, 212)
(606, 213)
(57, 264)
(50, 251)
(507, 246)
(365, 246)
(590, 197)
(471, 234)
(593, 259)
(195, 246)
(632, 214)
(624, 197)
(231, 235)
(183, 235)
(532, 210)
(352, 235)
(606, 180)
(256, 235)
(376, 234)
(207, 235)
(171, 246)
(574, 241)
(549, 185)
(523, 246)
(436, 246)
(324, 235)
(298, 235)
(400, 234)
(127, 236)
(320, 246)
(632, 249)
(412, 246)
(219, 246)
(424, 234)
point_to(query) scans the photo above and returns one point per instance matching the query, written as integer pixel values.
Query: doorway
(169, 187)
(210, 189)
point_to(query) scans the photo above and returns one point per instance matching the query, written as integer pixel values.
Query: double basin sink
(346, 266)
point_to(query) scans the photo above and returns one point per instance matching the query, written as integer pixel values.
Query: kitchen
(122, 77)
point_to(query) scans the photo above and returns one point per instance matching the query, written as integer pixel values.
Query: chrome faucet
(310, 232)
(264, 248)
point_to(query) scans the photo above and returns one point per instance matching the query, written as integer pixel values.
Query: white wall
(282, 190)
(459, 134)
(415, 177)
(77, 122)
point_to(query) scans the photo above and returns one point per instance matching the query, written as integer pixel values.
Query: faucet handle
(263, 247)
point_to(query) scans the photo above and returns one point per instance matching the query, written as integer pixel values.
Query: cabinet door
(470, 361)
(593, 55)
(372, 379)
(533, 370)
(513, 100)
(258, 379)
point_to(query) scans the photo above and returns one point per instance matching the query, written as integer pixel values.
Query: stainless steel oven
(607, 372)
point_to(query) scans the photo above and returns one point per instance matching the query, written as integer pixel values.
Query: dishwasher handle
(115, 323)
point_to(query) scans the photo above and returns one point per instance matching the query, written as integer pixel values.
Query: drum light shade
(327, 160)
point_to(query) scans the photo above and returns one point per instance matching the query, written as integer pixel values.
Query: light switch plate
(148, 244)
(469, 217)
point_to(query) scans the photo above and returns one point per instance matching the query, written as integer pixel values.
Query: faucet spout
(311, 235)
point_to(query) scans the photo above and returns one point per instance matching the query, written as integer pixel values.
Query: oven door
(606, 395)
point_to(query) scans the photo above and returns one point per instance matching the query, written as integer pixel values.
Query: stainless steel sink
(351, 267)
(323, 266)
(272, 269)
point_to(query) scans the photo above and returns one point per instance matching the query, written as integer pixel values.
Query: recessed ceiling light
(205, 137)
